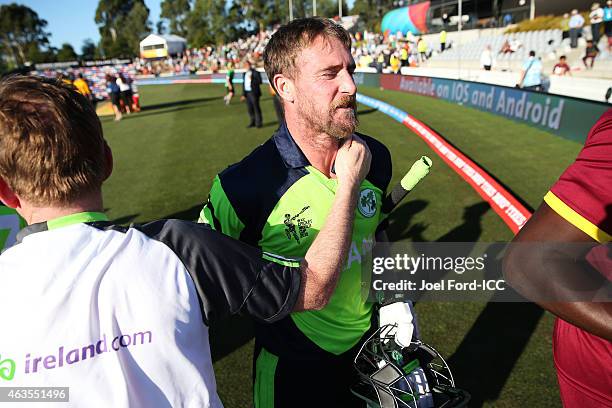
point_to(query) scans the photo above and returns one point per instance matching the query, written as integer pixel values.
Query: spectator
(251, 93)
(134, 96)
(125, 93)
(575, 24)
(404, 55)
(442, 40)
(596, 18)
(82, 87)
(229, 84)
(395, 63)
(531, 74)
(380, 63)
(561, 68)
(565, 29)
(507, 19)
(591, 52)
(486, 58)
(506, 48)
(445, 20)
(422, 49)
(608, 23)
(115, 95)
(510, 46)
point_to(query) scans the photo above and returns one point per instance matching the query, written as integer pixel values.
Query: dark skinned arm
(526, 269)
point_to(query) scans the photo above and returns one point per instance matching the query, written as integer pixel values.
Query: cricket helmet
(416, 376)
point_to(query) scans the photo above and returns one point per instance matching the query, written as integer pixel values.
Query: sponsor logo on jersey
(296, 226)
(367, 203)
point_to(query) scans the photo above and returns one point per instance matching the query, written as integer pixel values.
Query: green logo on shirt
(367, 203)
(7, 369)
(296, 227)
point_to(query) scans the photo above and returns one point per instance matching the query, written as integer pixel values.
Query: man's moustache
(346, 103)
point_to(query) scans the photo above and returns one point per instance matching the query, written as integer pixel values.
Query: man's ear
(7, 196)
(108, 158)
(284, 87)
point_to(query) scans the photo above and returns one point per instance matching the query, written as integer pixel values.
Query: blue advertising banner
(568, 117)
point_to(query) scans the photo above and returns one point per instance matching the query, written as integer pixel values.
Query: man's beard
(326, 122)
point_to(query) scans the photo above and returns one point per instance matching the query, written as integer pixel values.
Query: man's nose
(348, 83)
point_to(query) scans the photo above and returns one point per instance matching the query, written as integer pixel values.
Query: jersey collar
(289, 150)
(61, 222)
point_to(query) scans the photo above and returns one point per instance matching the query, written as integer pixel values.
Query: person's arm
(325, 257)
(545, 261)
(526, 268)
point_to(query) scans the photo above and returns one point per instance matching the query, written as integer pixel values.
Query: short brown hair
(51, 146)
(285, 45)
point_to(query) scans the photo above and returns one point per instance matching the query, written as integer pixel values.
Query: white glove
(398, 313)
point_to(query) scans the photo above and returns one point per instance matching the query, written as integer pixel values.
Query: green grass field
(167, 155)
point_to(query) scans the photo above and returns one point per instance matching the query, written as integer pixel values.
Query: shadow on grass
(180, 103)
(190, 214)
(486, 356)
(366, 112)
(157, 112)
(489, 351)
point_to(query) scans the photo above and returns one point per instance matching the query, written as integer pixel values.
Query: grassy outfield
(167, 155)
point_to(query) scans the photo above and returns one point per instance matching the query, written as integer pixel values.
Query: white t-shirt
(596, 16)
(248, 76)
(120, 315)
(486, 58)
(123, 87)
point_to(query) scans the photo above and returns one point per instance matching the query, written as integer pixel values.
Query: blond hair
(286, 44)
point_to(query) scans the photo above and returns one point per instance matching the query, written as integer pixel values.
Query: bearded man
(277, 197)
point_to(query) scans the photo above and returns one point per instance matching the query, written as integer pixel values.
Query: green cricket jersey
(274, 199)
(10, 224)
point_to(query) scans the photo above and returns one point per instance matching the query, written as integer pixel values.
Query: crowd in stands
(373, 51)
(113, 82)
(393, 51)
(209, 58)
(96, 77)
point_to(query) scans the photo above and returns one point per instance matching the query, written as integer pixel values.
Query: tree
(88, 50)
(160, 28)
(23, 34)
(37, 54)
(122, 24)
(176, 12)
(329, 8)
(66, 53)
(206, 23)
(371, 12)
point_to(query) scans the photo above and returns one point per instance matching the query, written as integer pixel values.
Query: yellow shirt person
(395, 63)
(81, 85)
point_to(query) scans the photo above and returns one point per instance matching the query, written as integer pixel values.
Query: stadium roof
(156, 39)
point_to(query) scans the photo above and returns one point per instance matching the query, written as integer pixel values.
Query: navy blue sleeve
(230, 276)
